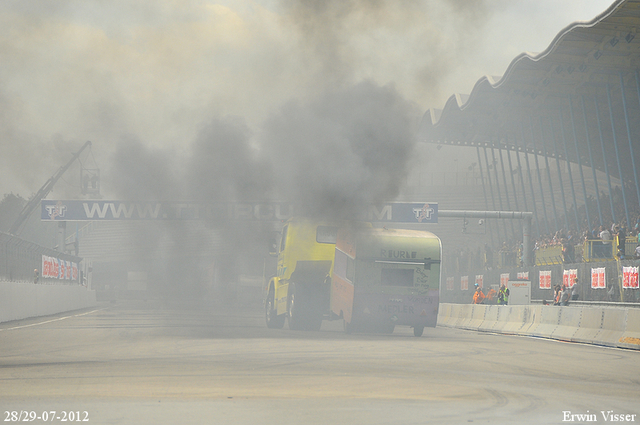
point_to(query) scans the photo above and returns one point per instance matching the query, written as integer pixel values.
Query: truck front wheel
(271, 315)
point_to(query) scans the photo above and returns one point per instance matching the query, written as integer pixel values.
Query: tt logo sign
(57, 210)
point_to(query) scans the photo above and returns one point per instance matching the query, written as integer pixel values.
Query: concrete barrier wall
(631, 336)
(464, 315)
(477, 316)
(613, 326)
(590, 324)
(514, 319)
(549, 320)
(569, 321)
(490, 318)
(609, 326)
(24, 300)
(532, 318)
(447, 315)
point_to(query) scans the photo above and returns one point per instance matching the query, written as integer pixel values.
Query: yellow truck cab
(299, 291)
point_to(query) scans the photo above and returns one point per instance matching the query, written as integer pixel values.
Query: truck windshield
(397, 277)
(283, 242)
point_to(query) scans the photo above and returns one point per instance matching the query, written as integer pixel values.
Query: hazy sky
(150, 80)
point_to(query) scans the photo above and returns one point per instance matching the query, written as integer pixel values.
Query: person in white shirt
(605, 235)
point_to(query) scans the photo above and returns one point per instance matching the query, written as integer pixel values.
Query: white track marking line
(52, 320)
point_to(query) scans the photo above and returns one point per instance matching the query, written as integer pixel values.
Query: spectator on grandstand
(488, 257)
(36, 276)
(603, 249)
(637, 253)
(605, 235)
(636, 227)
(568, 252)
(622, 239)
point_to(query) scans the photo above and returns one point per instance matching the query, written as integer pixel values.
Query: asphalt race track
(150, 363)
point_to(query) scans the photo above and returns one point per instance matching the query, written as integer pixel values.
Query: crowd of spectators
(605, 239)
(601, 235)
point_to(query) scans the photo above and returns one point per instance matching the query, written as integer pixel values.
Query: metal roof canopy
(572, 90)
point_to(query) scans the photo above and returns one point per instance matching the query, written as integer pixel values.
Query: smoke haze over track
(155, 82)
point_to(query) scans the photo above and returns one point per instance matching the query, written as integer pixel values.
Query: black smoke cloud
(138, 172)
(332, 156)
(328, 30)
(345, 150)
(220, 165)
(156, 72)
(224, 165)
(345, 38)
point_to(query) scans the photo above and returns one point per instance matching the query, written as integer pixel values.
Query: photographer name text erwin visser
(606, 415)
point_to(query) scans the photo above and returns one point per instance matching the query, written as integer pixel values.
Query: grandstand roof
(568, 95)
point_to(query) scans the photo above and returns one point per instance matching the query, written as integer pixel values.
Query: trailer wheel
(348, 327)
(417, 330)
(314, 324)
(271, 316)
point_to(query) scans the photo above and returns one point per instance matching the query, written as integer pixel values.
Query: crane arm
(43, 192)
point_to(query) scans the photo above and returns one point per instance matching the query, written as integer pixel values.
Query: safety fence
(548, 255)
(608, 326)
(597, 281)
(591, 250)
(19, 258)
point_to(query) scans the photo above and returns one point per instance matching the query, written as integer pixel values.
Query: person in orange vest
(490, 298)
(478, 297)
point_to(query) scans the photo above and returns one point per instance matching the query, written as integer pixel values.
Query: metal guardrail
(597, 303)
(548, 255)
(591, 250)
(598, 250)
